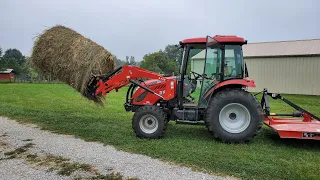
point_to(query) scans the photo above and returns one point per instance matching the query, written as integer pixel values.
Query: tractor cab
(207, 62)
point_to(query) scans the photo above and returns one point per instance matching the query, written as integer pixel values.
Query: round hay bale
(67, 56)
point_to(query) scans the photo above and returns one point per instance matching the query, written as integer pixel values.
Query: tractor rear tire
(234, 116)
(149, 122)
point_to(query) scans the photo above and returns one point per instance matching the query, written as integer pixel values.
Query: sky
(137, 27)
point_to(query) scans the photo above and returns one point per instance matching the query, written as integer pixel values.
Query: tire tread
(145, 110)
(212, 108)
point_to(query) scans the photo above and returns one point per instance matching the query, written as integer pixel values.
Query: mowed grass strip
(59, 108)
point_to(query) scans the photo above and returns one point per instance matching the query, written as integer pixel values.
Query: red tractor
(223, 105)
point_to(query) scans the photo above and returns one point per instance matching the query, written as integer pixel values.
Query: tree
(174, 53)
(14, 54)
(127, 60)
(11, 64)
(118, 62)
(132, 61)
(1, 62)
(13, 59)
(159, 62)
(2, 65)
(33, 73)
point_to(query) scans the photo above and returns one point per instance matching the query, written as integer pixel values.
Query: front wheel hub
(148, 124)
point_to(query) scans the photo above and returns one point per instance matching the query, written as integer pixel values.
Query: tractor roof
(221, 39)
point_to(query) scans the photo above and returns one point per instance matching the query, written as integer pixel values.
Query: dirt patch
(60, 165)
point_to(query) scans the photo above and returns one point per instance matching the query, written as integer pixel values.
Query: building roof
(282, 48)
(7, 71)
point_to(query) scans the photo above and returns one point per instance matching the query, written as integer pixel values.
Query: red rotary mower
(232, 114)
(302, 125)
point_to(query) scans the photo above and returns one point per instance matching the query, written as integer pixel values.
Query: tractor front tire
(149, 122)
(234, 116)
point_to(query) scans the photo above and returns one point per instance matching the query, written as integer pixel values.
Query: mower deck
(296, 128)
(301, 125)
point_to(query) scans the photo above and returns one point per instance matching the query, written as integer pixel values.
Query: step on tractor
(219, 79)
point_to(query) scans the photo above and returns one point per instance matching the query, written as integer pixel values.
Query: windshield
(195, 58)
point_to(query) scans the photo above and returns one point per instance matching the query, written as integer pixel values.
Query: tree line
(129, 61)
(13, 59)
(165, 61)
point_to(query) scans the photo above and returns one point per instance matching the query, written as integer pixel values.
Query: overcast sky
(137, 27)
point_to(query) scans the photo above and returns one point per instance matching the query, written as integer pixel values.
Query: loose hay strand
(67, 56)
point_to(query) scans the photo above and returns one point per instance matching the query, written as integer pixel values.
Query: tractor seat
(189, 87)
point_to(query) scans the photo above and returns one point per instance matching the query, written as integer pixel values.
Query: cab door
(212, 70)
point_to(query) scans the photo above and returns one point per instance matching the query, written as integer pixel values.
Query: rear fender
(232, 83)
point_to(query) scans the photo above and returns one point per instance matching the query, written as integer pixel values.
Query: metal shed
(290, 67)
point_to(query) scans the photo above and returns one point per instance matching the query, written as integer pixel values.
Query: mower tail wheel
(234, 116)
(149, 122)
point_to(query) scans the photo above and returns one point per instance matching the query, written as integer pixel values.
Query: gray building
(290, 67)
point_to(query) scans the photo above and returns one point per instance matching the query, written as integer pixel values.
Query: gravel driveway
(103, 159)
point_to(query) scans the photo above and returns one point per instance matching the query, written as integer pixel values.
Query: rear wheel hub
(234, 118)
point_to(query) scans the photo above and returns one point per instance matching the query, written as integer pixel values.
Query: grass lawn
(59, 108)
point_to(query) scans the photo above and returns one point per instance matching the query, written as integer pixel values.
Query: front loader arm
(122, 77)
